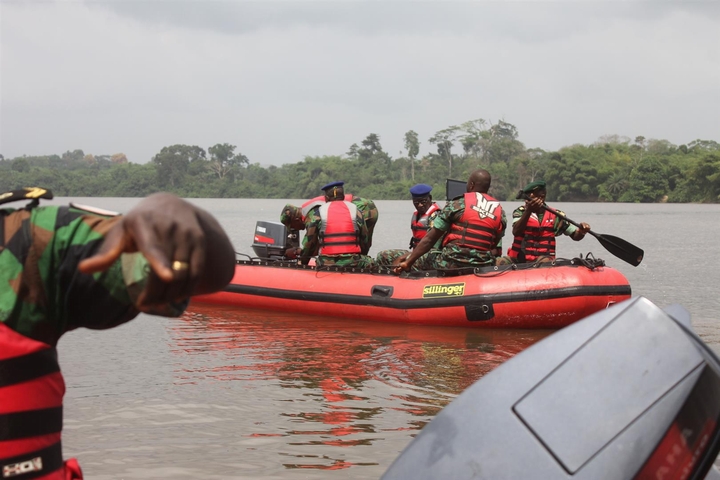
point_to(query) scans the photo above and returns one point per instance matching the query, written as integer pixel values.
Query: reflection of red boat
(526, 296)
(329, 385)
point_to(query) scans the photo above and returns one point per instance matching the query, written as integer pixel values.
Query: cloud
(286, 79)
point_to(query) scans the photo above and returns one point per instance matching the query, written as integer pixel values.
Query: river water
(233, 394)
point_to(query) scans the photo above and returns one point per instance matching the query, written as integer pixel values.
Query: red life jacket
(419, 226)
(479, 225)
(31, 392)
(314, 202)
(537, 240)
(338, 231)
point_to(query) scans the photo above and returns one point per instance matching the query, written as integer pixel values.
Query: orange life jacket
(31, 392)
(479, 224)
(419, 226)
(339, 231)
(537, 240)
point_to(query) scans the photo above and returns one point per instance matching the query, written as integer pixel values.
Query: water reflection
(345, 383)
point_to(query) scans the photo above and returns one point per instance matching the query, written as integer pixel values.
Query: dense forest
(613, 169)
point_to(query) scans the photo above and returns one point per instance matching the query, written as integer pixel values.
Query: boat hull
(543, 297)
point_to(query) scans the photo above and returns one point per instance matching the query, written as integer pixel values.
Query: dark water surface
(223, 393)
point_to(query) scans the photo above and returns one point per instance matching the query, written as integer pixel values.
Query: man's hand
(401, 259)
(403, 266)
(534, 204)
(581, 231)
(293, 253)
(188, 251)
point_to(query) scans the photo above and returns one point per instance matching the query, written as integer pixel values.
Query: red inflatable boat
(519, 296)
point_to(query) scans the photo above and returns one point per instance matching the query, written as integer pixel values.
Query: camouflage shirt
(454, 256)
(311, 242)
(43, 294)
(370, 215)
(560, 227)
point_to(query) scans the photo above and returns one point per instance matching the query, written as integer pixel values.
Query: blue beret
(332, 184)
(420, 190)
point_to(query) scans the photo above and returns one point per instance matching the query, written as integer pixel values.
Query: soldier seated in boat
(535, 229)
(473, 226)
(336, 232)
(420, 222)
(294, 218)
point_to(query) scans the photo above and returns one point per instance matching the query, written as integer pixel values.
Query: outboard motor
(630, 392)
(272, 239)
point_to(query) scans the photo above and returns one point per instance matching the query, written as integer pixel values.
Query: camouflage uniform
(370, 215)
(385, 258)
(43, 294)
(366, 207)
(454, 256)
(311, 244)
(561, 226)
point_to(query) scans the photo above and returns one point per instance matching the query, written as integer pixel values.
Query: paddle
(622, 249)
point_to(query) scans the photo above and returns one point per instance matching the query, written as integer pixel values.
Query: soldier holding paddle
(535, 227)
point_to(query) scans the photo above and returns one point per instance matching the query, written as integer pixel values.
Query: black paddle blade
(622, 249)
(454, 188)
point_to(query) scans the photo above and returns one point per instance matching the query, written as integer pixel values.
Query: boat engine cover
(611, 396)
(270, 239)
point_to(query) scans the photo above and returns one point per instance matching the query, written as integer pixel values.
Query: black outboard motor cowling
(272, 239)
(627, 393)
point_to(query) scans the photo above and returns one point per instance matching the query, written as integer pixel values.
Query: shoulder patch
(27, 193)
(94, 210)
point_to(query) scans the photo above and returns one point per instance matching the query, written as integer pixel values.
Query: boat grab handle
(381, 291)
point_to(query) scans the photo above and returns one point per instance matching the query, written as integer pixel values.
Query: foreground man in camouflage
(473, 225)
(335, 232)
(62, 268)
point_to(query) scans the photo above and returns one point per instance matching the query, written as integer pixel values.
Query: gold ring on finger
(179, 266)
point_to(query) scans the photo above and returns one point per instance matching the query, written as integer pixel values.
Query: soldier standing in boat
(336, 232)
(473, 226)
(535, 229)
(295, 218)
(68, 267)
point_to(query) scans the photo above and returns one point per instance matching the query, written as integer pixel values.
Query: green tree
(412, 145)
(445, 140)
(647, 182)
(172, 163)
(21, 165)
(223, 159)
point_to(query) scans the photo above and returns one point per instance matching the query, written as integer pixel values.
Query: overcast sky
(282, 80)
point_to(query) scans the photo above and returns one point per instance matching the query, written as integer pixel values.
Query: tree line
(613, 169)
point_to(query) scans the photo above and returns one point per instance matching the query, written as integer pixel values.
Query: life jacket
(31, 392)
(338, 232)
(479, 224)
(537, 240)
(419, 226)
(314, 202)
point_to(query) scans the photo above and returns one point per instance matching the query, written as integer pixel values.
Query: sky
(282, 80)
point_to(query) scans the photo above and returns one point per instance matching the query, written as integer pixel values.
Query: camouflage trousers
(386, 257)
(345, 260)
(453, 256)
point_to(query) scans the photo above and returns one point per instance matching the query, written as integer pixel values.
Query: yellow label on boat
(448, 290)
